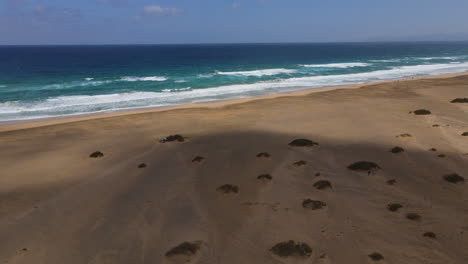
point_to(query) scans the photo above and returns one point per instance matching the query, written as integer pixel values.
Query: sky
(43, 22)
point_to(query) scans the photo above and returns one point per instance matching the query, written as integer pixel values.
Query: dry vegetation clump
(454, 178)
(267, 177)
(413, 216)
(263, 155)
(422, 112)
(393, 207)
(430, 235)
(198, 159)
(376, 256)
(397, 150)
(142, 165)
(228, 188)
(300, 163)
(363, 166)
(172, 138)
(460, 100)
(291, 248)
(97, 154)
(391, 182)
(186, 248)
(465, 134)
(302, 142)
(312, 204)
(323, 184)
(404, 135)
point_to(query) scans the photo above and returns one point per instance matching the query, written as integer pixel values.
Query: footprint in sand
(142, 166)
(302, 142)
(413, 216)
(363, 166)
(397, 150)
(430, 235)
(313, 204)
(422, 112)
(454, 178)
(393, 207)
(300, 163)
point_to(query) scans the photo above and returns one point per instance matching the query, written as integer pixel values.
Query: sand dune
(59, 205)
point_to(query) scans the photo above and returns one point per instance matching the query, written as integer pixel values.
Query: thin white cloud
(156, 10)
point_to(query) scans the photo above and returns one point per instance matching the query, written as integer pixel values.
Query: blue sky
(229, 21)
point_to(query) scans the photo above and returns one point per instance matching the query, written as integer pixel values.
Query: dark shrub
(141, 166)
(460, 100)
(322, 185)
(300, 163)
(376, 256)
(454, 178)
(433, 149)
(291, 248)
(465, 134)
(404, 135)
(198, 159)
(397, 150)
(363, 166)
(422, 112)
(97, 154)
(312, 204)
(172, 138)
(430, 235)
(391, 182)
(435, 125)
(228, 188)
(302, 143)
(186, 248)
(393, 207)
(413, 216)
(264, 177)
(263, 155)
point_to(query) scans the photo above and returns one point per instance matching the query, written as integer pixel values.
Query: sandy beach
(141, 200)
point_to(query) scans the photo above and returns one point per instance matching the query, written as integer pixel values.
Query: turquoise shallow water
(49, 81)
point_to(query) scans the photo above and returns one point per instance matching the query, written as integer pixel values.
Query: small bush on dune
(465, 134)
(172, 138)
(430, 235)
(142, 165)
(363, 166)
(422, 112)
(291, 248)
(454, 178)
(323, 184)
(97, 154)
(228, 188)
(391, 182)
(198, 159)
(397, 150)
(186, 248)
(460, 100)
(263, 155)
(312, 204)
(300, 163)
(302, 143)
(376, 256)
(393, 207)
(267, 177)
(413, 216)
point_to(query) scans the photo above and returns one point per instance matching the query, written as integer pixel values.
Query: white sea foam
(89, 79)
(3, 86)
(180, 81)
(392, 60)
(66, 105)
(205, 75)
(259, 73)
(337, 65)
(143, 79)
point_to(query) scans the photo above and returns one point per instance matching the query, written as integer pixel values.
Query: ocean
(50, 81)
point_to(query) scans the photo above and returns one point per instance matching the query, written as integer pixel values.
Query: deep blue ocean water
(49, 81)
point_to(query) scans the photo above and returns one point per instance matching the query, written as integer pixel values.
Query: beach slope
(240, 184)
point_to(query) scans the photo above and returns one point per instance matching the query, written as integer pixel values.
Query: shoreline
(40, 122)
